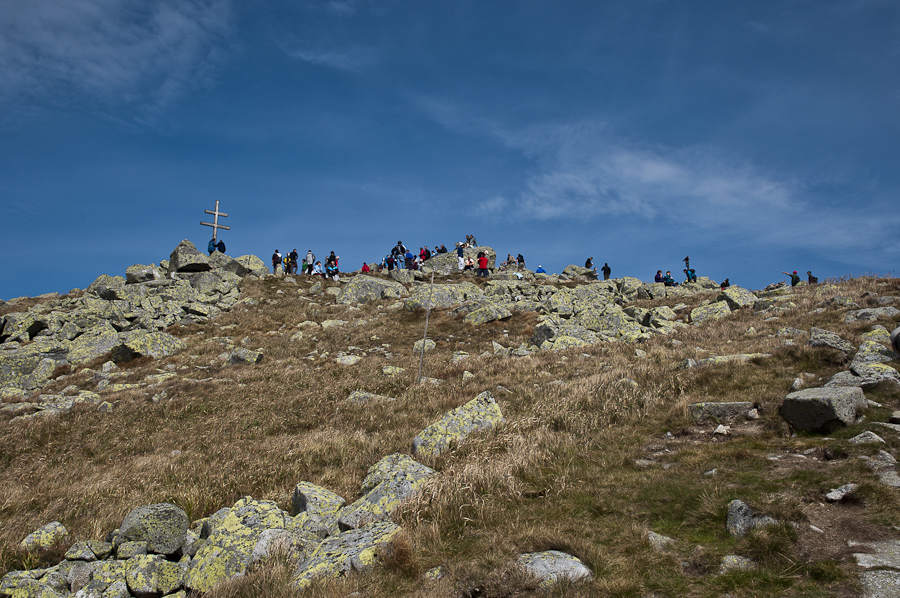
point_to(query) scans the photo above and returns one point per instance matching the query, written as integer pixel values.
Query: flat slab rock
(822, 409)
(552, 566)
(702, 412)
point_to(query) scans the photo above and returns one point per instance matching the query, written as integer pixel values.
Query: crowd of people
(401, 257)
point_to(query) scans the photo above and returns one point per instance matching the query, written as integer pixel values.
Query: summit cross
(215, 223)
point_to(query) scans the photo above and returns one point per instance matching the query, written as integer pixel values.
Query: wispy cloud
(354, 59)
(583, 170)
(341, 9)
(113, 51)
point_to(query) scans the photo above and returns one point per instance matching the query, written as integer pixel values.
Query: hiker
(483, 263)
(589, 263)
(540, 270)
(407, 260)
(510, 261)
(668, 280)
(725, 284)
(460, 257)
(388, 261)
(365, 268)
(606, 270)
(795, 280)
(276, 261)
(293, 263)
(318, 270)
(469, 264)
(812, 279)
(442, 249)
(220, 246)
(658, 277)
(310, 262)
(521, 262)
(398, 252)
(689, 274)
(211, 246)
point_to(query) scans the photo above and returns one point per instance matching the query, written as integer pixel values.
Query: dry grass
(560, 473)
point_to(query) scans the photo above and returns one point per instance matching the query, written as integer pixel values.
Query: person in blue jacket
(212, 246)
(540, 270)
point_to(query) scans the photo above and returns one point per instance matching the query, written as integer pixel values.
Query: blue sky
(755, 136)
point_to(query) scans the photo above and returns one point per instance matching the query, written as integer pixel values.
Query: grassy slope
(559, 474)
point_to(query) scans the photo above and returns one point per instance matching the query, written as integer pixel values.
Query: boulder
(104, 284)
(403, 275)
(822, 409)
(139, 273)
(552, 566)
(579, 271)
(388, 483)
(871, 314)
(45, 537)
(443, 295)
(352, 550)
(447, 263)
(825, 338)
(363, 288)
(742, 518)
(140, 343)
(873, 352)
(488, 313)
(162, 526)
(153, 575)
(242, 356)
(713, 311)
(702, 412)
(480, 413)
(737, 297)
(315, 500)
(30, 366)
(97, 341)
(186, 258)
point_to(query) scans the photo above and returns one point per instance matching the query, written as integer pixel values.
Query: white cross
(215, 223)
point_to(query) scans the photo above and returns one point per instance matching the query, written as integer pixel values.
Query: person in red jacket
(482, 265)
(365, 268)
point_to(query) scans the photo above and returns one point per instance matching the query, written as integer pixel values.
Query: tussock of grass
(561, 473)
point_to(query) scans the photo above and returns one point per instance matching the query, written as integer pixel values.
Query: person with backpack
(399, 253)
(276, 261)
(812, 279)
(520, 260)
(212, 246)
(795, 280)
(292, 262)
(220, 246)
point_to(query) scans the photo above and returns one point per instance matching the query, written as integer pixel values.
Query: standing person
(310, 262)
(399, 252)
(482, 265)
(812, 279)
(211, 246)
(795, 280)
(294, 257)
(276, 261)
(220, 246)
(687, 262)
(460, 257)
(521, 261)
(606, 270)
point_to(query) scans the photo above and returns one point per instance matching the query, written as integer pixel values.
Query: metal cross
(215, 223)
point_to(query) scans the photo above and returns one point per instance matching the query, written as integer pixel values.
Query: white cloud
(341, 9)
(115, 51)
(353, 59)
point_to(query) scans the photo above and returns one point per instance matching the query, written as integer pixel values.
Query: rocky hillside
(202, 426)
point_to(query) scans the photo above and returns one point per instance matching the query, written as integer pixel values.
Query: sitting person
(365, 268)
(318, 270)
(668, 280)
(725, 284)
(659, 276)
(469, 265)
(540, 270)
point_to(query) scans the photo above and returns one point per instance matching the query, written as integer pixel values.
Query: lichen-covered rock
(362, 288)
(561, 343)
(713, 311)
(480, 413)
(45, 537)
(446, 263)
(242, 356)
(141, 343)
(737, 297)
(140, 273)
(702, 412)
(352, 550)
(739, 358)
(315, 500)
(873, 352)
(488, 313)
(825, 338)
(579, 271)
(822, 409)
(871, 314)
(361, 396)
(162, 526)
(742, 518)
(551, 566)
(441, 295)
(186, 258)
(229, 549)
(151, 574)
(97, 341)
(388, 483)
(30, 366)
